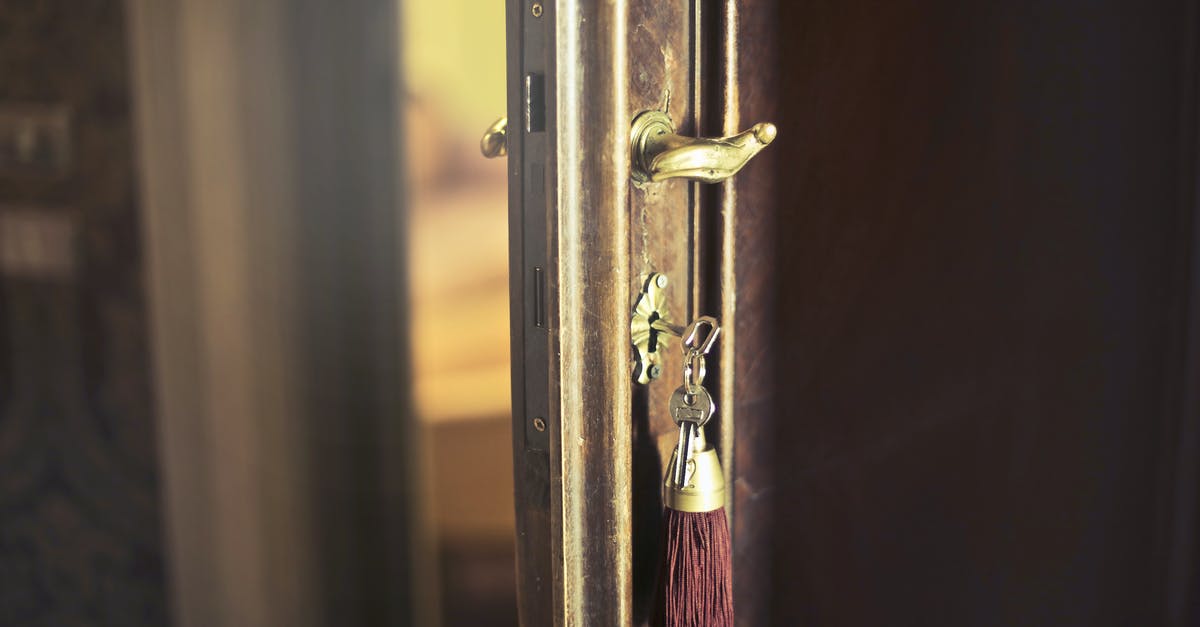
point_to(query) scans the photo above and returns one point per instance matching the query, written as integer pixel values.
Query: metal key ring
(694, 370)
(693, 342)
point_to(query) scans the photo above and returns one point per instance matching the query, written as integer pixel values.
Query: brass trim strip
(731, 120)
(591, 513)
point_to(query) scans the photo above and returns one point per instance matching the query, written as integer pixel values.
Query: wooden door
(589, 442)
(583, 238)
(958, 375)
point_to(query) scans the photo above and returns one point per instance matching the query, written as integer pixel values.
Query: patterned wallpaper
(80, 529)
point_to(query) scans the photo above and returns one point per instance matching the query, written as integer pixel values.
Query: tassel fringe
(696, 589)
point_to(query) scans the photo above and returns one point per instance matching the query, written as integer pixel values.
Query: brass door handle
(660, 154)
(495, 139)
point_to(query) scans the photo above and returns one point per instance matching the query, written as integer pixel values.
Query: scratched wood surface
(660, 67)
(747, 88)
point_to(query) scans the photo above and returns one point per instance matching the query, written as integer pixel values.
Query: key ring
(693, 372)
(695, 346)
(693, 342)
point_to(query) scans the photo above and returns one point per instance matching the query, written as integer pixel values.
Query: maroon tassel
(697, 585)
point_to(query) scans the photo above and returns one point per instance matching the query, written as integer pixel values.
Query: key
(696, 408)
(690, 412)
(683, 451)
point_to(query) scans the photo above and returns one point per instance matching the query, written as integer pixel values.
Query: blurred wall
(454, 54)
(80, 534)
(268, 134)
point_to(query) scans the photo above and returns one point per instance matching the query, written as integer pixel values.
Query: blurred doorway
(453, 54)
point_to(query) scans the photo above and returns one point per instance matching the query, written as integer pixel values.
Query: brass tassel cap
(703, 488)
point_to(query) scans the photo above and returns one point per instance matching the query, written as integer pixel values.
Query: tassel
(696, 584)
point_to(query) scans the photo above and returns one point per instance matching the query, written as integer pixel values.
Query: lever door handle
(659, 153)
(495, 139)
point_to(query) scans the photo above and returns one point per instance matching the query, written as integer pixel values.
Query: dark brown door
(968, 284)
